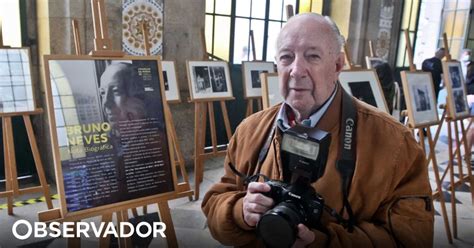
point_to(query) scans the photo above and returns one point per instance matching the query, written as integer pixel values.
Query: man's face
(113, 96)
(308, 64)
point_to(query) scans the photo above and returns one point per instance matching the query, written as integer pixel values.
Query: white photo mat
(270, 90)
(420, 98)
(251, 75)
(170, 81)
(364, 85)
(209, 80)
(16, 89)
(454, 83)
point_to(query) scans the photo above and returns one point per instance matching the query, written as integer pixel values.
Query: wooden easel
(11, 179)
(289, 11)
(432, 152)
(102, 48)
(348, 57)
(250, 100)
(450, 119)
(371, 49)
(201, 110)
(176, 149)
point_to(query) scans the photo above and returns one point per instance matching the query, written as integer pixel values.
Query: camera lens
(278, 226)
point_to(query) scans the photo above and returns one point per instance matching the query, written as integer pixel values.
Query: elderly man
(381, 198)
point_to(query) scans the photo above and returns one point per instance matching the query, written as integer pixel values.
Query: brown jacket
(389, 194)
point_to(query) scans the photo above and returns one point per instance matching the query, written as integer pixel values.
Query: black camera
(305, 155)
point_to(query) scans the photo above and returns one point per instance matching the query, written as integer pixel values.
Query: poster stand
(102, 47)
(250, 100)
(11, 179)
(348, 57)
(432, 152)
(203, 108)
(176, 149)
(289, 11)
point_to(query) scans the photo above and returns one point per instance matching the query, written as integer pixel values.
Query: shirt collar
(282, 117)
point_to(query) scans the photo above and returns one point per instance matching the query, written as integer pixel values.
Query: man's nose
(299, 68)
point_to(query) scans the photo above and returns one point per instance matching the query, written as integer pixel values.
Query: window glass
(258, 8)
(209, 6)
(209, 24)
(276, 9)
(243, 8)
(414, 12)
(221, 41)
(401, 50)
(258, 27)
(406, 14)
(223, 7)
(273, 30)
(241, 40)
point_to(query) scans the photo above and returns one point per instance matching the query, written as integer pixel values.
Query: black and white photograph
(364, 85)
(218, 80)
(455, 76)
(459, 101)
(209, 80)
(171, 82)
(454, 83)
(255, 74)
(251, 71)
(363, 92)
(419, 98)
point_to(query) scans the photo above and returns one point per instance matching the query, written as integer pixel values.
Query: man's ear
(340, 61)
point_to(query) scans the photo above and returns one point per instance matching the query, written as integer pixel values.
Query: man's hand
(255, 204)
(305, 237)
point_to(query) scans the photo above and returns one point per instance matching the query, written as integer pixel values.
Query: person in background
(434, 66)
(465, 60)
(384, 73)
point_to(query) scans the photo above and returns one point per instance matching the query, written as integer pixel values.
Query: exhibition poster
(110, 129)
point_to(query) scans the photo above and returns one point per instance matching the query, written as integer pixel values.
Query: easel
(348, 57)
(371, 49)
(102, 47)
(250, 100)
(176, 149)
(432, 152)
(11, 179)
(451, 118)
(289, 11)
(201, 109)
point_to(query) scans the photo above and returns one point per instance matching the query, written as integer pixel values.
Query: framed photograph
(420, 98)
(365, 86)
(170, 81)
(454, 82)
(372, 62)
(251, 75)
(270, 90)
(108, 131)
(209, 80)
(16, 90)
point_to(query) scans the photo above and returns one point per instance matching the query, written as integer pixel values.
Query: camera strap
(346, 162)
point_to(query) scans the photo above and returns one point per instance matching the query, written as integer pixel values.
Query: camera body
(296, 202)
(304, 200)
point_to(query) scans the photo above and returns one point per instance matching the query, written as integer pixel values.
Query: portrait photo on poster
(170, 81)
(251, 71)
(364, 85)
(16, 89)
(454, 83)
(420, 98)
(209, 80)
(110, 130)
